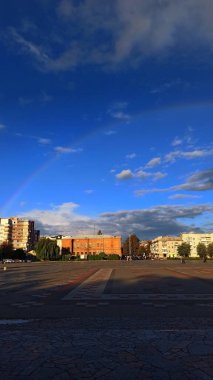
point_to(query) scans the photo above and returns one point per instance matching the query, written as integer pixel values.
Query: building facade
(167, 246)
(19, 232)
(5, 230)
(90, 244)
(194, 239)
(163, 247)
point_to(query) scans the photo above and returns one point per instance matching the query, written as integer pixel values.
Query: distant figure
(183, 260)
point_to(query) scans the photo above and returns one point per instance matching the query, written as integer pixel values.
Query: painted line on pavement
(92, 288)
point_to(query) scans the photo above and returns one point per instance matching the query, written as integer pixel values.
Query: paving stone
(158, 333)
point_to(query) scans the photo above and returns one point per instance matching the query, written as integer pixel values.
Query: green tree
(47, 249)
(131, 246)
(19, 254)
(145, 249)
(6, 250)
(65, 254)
(184, 250)
(142, 251)
(210, 250)
(202, 251)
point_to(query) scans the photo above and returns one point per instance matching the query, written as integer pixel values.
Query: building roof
(89, 236)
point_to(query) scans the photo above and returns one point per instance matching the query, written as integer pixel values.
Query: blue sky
(106, 113)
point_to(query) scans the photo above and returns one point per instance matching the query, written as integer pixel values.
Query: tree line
(7, 252)
(203, 251)
(47, 249)
(132, 247)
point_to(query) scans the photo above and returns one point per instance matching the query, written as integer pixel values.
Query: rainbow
(8, 204)
(28, 180)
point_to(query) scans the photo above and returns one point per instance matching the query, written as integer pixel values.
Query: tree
(47, 249)
(65, 254)
(202, 251)
(184, 250)
(144, 249)
(99, 232)
(19, 254)
(210, 250)
(6, 250)
(131, 246)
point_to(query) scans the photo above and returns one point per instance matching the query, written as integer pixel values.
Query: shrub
(113, 256)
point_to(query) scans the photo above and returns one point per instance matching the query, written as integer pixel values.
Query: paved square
(106, 320)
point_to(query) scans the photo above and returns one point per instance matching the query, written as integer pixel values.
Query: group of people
(129, 258)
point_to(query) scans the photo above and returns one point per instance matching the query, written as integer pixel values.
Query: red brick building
(91, 244)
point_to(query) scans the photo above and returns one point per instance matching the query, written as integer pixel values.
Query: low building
(194, 239)
(90, 244)
(163, 247)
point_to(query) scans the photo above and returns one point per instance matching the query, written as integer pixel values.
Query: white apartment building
(163, 247)
(194, 239)
(5, 230)
(19, 232)
(167, 246)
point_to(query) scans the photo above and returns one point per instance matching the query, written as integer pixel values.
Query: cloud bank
(125, 31)
(146, 223)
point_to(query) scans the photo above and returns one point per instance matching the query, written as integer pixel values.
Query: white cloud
(136, 29)
(142, 192)
(110, 132)
(120, 115)
(2, 126)
(64, 150)
(183, 196)
(89, 191)
(189, 155)
(158, 220)
(159, 175)
(166, 86)
(177, 141)
(58, 219)
(117, 111)
(153, 162)
(197, 154)
(131, 156)
(146, 223)
(199, 181)
(44, 141)
(124, 174)
(142, 174)
(29, 47)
